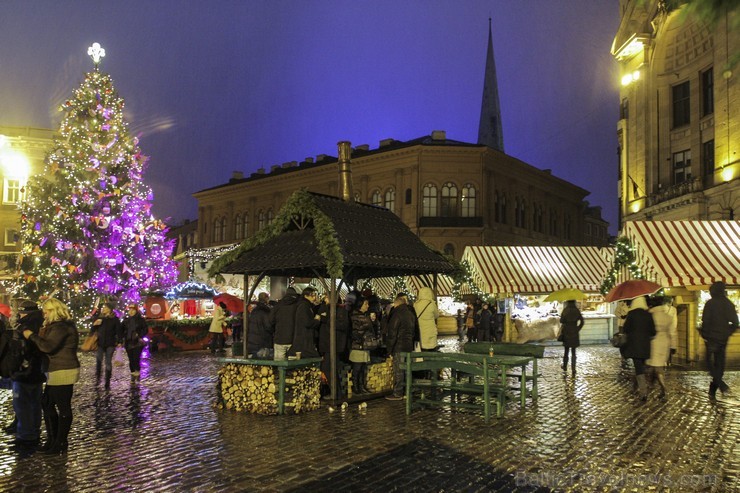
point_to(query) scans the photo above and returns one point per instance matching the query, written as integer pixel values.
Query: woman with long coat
(572, 323)
(640, 330)
(58, 340)
(427, 313)
(665, 341)
(359, 356)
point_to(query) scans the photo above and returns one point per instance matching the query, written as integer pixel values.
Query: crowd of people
(478, 323)
(39, 360)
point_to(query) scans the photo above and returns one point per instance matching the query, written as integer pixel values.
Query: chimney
(320, 157)
(237, 175)
(290, 164)
(386, 142)
(274, 167)
(439, 135)
(261, 170)
(345, 173)
(363, 147)
(308, 160)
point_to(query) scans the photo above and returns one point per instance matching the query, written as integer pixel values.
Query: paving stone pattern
(586, 433)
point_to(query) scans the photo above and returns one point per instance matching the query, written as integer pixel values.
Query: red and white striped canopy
(687, 253)
(538, 269)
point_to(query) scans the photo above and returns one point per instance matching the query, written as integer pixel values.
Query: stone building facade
(679, 127)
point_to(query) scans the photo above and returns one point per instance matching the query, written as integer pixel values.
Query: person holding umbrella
(572, 322)
(640, 330)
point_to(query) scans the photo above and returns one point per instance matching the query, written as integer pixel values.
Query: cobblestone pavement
(586, 433)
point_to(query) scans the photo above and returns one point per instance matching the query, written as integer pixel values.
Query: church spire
(489, 129)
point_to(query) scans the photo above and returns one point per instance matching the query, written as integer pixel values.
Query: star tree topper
(96, 52)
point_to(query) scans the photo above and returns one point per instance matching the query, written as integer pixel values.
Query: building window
(520, 213)
(260, 220)
(238, 227)
(408, 196)
(624, 109)
(216, 229)
(246, 225)
(500, 208)
(707, 157)
(11, 191)
(270, 216)
(681, 167)
(553, 222)
(537, 218)
(588, 229)
(375, 198)
(11, 237)
(448, 202)
(566, 227)
(681, 106)
(707, 92)
(468, 200)
(390, 199)
(449, 250)
(429, 201)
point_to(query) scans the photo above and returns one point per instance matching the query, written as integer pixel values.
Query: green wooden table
(282, 366)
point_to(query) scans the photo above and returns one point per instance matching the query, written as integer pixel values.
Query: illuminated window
(11, 237)
(429, 201)
(707, 92)
(681, 167)
(468, 201)
(681, 105)
(448, 201)
(375, 198)
(390, 199)
(11, 191)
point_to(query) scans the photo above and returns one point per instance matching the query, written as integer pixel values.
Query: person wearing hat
(28, 380)
(109, 331)
(134, 330)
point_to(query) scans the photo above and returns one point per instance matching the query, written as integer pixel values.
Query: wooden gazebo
(326, 237)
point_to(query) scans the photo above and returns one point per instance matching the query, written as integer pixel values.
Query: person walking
(29, 378)
(359, 356)
(282, 322)
(134, 330)
(427, 314)
(665, 341)
(621, 314)
(259, 338)
(640, 330)
(401, 325)
(108, 328)
(484, 323)
(572, 323)
(472, 330)
(718, 322)
(218, 322)
(57, 340)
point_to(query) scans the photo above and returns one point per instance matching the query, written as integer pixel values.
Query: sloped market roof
(317, 235)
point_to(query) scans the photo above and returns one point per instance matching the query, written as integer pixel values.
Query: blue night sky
(218, 86)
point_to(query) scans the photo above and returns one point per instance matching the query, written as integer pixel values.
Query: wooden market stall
(686, 257)
(324, 237)
(524, 275)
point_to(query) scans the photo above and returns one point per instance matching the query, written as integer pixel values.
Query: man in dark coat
(306, 324)
(640, 329)
(29, 378)
(110, 333)
(484, 321)
(401, 327)
(282, 323)
(134, 329)
(718, 322)
(259, 338)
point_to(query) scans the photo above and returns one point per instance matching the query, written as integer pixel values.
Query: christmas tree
(86, 223)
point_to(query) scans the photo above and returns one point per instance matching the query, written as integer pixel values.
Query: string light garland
(624, 256)
(87, 228)
(463, 275)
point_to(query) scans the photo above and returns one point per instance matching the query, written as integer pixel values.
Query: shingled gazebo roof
(317, 235)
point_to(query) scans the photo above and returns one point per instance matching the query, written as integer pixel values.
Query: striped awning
(537, 269)
(687, 253)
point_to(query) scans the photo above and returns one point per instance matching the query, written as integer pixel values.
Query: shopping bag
(119, 357)
(90, 343)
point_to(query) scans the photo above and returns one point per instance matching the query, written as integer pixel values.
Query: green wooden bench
(535, 351)
(470, 374)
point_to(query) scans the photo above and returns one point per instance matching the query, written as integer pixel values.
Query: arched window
(223, 229)
(408, 196)
(429, 201)
(246, 225)
(500, 208)
(449, 249)
(519, 213)
(270, 216)
(468, 201)
(448, 202)
(390, 199)
(537, 218)
(260, 220)
(216, 229)
(238, 227)
(376, 199)
(553, 222)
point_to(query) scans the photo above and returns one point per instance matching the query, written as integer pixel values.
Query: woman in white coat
(427, 313)
(664, 343)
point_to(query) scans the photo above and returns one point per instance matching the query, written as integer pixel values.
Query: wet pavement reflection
(586, 433)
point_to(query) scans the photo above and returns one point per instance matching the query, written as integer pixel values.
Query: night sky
(216, 86)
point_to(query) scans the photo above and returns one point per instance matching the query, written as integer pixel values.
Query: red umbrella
(632, 289)
(233, 303)
(5, 309)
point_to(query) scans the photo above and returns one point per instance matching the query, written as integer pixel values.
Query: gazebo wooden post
(333, 339)
(245, 315)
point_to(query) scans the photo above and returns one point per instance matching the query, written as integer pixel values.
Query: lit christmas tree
(86, 224)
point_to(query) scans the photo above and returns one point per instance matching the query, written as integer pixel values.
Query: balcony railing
(450, 222)
(687, 187)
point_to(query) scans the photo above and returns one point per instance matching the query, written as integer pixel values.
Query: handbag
(90, 343)
(369, 341)
(619, 339)
(118, 357)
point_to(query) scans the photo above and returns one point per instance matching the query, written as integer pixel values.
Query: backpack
(13, 354)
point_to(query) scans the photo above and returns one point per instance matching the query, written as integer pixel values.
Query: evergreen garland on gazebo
(624, 256)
